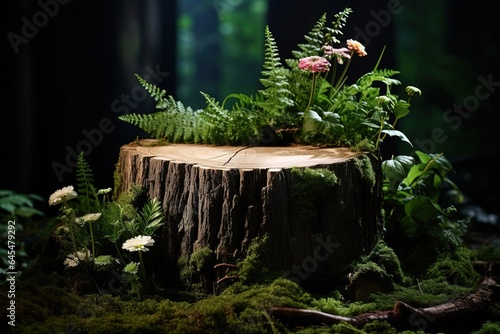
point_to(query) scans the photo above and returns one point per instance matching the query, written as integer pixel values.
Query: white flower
(89, 217)
(62, 195)
(138, 243)
(73, 259)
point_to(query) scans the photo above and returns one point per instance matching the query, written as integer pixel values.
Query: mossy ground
(50, 302)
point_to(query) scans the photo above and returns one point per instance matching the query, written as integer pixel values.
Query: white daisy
(89, 217)
(62, 195)
(73, 259)
(138, 243)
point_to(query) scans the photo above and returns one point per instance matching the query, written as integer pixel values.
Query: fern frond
(156, 93)
(335, 30)
(318, 36)
(382, 75)
(151, 217)
(276, 95)
(87, 198)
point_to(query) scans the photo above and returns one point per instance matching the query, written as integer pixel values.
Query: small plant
(303, 99)
(94, 231)
(416, 216)
(15, 210)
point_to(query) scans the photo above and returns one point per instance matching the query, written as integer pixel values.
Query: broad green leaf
(423, 209)
(405, 160)
(399, 134)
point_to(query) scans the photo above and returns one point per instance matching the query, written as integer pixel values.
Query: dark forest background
(69, 69)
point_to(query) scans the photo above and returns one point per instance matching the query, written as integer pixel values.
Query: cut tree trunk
(223, 197)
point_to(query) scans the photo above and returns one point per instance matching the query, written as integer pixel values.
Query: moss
(488, 252)
(377, 327)
(365, 168)
(382, 265)
(422, 293)
(117, 180)
(310, 185)
(202, 259)
(255, 266)
(489, 328)
(364, 145)
(195, 271)
(339, 307)
(455, 267)
(386, 258)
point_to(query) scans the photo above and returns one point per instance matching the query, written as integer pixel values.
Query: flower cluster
(91, 230)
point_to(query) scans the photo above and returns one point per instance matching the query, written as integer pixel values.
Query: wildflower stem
(378, 135)
(92, 240)
(143, 268)
(341, 78)
(312, 92)
(67, 211)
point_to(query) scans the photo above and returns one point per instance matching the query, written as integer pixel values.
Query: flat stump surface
(249, 157)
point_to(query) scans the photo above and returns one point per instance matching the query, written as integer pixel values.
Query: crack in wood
(238, 151)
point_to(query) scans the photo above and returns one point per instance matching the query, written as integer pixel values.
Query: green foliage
(317, 109)
(151, 217)
(15, 210)
(103, 226)
(412, 192)
(276, 95)
(14, 205)
(88, 200)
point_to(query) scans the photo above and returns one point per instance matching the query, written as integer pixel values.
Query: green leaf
(422, 209)
(401, 109)
(399, 134)
(394, 171)
(151, 216)
(405, 160)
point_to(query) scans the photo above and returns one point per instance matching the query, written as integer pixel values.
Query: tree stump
(223, 197)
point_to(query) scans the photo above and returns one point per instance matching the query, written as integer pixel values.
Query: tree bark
(223, 197)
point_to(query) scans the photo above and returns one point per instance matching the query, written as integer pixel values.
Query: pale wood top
(245, 156)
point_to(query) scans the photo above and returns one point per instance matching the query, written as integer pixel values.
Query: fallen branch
(453, 316)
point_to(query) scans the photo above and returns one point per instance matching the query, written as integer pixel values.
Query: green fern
(156, 93)
(87, 194)
(151, 217)
(174, 123)
(338, 113)
(276, 95)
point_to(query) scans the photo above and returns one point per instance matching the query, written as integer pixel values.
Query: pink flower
(337, 53)
(314, 64)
